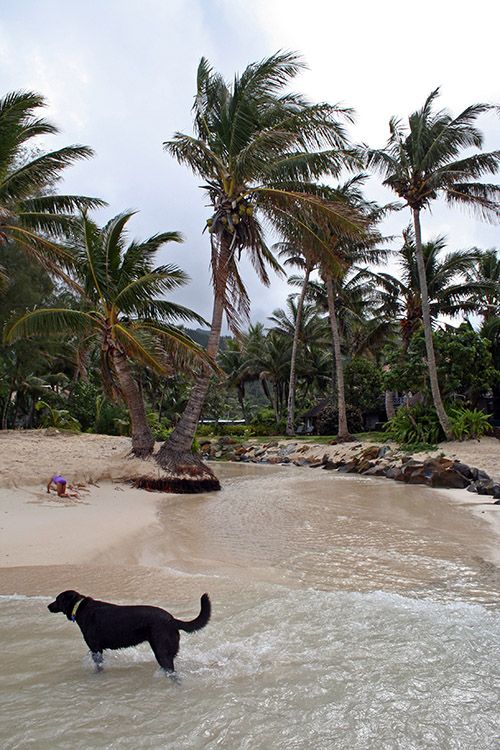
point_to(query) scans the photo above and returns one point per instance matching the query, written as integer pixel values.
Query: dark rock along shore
(359, 458)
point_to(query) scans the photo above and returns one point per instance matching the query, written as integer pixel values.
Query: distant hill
(201, 337)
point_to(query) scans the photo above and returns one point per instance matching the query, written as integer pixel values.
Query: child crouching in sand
(59, 483)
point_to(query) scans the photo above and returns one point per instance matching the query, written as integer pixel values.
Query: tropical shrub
(61, 419)
(468, 424)
(111, 418)
(83, 403)
(159, 428)
(414, 424)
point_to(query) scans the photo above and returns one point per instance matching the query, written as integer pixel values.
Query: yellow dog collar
(73, 613)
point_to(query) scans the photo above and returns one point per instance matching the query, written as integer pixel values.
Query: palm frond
(49, 322)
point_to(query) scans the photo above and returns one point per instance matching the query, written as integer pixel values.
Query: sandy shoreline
(37, 529)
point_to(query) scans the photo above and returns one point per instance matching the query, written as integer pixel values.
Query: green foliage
(363, 383)
(328, 422)
(236, 430)
(61, 419)
(160, 430)
(469, 424)
(415, 424)
(111, 418)
(464, 364)
(83, 403)
(417, 447)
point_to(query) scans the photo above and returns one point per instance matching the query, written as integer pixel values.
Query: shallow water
(347, 613)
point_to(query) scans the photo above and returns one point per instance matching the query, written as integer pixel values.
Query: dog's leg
(162, 650)
(98, 660)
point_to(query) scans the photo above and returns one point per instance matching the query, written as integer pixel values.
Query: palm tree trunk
(429, 344)
(343, 433)
(142, 437)
(176, 453)
(389, 404)
(290, 422)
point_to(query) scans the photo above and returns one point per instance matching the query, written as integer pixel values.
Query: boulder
(463, 469)
(375, 470)
(371, 452)
(351, 467)
(301, 462)
(446, 478)
(384, 450)
(478, 475)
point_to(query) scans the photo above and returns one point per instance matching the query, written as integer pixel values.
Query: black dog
(113, 626)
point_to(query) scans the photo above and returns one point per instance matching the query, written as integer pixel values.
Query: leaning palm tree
(118, 287)
(30, 215)
(258, 151)
(422, 161)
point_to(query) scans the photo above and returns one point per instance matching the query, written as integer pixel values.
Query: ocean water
(348, 614)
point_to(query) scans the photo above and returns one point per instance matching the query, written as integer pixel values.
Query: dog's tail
(198, 622)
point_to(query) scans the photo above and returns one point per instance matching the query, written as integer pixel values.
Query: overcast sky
(119, 76)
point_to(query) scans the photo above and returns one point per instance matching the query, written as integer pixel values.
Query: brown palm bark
(343, 432)
(142, 437)
(426, 317)
(176, 455)
(290, 422)
(389, 404)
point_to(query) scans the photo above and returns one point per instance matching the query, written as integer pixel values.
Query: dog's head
(64, 602)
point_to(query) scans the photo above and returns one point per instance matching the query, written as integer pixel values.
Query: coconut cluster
(229, 214)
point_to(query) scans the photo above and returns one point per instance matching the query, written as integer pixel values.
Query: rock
(463, 469)
(316, 465)
(301, 462)
(448, 479)
(496, 491)
(350, 467)
(392, 472)
(376, 470)
(384, 450)
(329, 465)
(226, 440)
(484, 487)
(364, 465)
(371, 452)
(478, 475)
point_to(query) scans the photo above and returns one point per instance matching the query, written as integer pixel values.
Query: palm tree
(453, 284)
(29, 214)
(484, 280)
(119, 287)
(301, 324)
(231, 362)
(421, 162)
(258, 151)
(294, 257)
(348, 297)
(346, 251)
